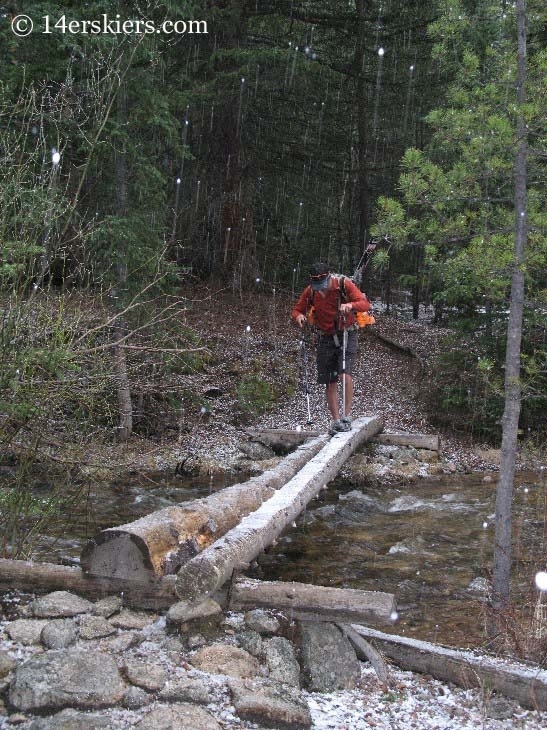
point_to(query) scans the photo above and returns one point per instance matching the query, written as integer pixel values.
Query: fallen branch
(526, 684)
(365, 651)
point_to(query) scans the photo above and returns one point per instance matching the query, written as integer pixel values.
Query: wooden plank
(208, 571)
(280, 439)
(418, 440)
(307, 602)
(160, 542)
(285, 439)
(26, 575)
(524, 683)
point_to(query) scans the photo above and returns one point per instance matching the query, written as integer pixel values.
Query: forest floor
(253, 374)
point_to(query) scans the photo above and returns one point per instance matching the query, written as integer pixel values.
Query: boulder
(281, 661)
(328, 660)
(270, 706)
(59, 634)
(226, 659)
(66, 678)
(182, 716)
(60, 604)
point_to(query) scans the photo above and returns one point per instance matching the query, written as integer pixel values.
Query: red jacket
(326, 307)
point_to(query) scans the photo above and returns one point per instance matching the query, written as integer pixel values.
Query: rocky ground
(67, 663)
(70, 664)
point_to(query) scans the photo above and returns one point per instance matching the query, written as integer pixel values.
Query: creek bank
(71, 664)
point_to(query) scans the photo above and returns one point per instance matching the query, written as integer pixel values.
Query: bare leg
(349, 393)
(332, 400)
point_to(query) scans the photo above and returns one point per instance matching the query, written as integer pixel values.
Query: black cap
(319, 275)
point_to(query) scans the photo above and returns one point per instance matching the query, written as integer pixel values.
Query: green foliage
(457, 198)
(254, 394)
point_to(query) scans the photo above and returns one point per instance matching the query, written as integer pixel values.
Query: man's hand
(346, 307)
(300, 320)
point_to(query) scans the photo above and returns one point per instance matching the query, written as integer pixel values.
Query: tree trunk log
(526, 684)
(159, 543)
(307, 602)
(418, 440)
(281, 439)
(25, 575)
(205, 573)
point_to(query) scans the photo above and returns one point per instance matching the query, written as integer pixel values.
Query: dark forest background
(133, 165)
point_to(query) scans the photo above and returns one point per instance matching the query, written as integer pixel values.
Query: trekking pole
(306, 380)
(344, 344)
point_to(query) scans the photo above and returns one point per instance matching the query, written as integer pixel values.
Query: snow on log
(307, 602)
(206, 572)
(26, 575)
(157, 544)
(524, 683)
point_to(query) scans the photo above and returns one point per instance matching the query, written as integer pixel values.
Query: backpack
(362, 319)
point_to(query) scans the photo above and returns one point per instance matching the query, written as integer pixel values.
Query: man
(333, 312)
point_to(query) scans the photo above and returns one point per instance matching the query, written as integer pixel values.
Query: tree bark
(26, 575)
(307, 602)
(511, 414)
(205, 573)
(159, 543)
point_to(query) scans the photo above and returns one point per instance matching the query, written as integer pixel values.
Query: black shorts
(329, 356)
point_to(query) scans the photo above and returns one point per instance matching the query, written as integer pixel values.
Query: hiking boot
(339, 427)
(346, 419)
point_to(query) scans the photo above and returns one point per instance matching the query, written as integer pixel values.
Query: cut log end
(117, 555)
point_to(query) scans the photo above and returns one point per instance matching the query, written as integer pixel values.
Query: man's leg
(349, 393)
(332, 400)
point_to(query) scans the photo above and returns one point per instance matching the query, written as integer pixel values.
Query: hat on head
(319, 275)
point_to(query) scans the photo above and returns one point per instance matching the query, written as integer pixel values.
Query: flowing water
(426, 542)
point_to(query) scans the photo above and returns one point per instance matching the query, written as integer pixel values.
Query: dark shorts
(329, 357)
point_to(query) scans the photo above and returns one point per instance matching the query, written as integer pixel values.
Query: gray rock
(270, 706)
(500, 708)
(108, 606)
(182, 611)
(72, 720)
(281, 661)
(60, 604)
(251, 641)
(135, 697)
(328, 659)
(196, 641)
(26, 631)
(181, 716)
(123, 642)
(59, 634)
(148, 676)
(6, 664)
(226, 659)
(261, 621)
(127, 619)
(95, 627)
(186, 689)
(256, 451)
(66, 678)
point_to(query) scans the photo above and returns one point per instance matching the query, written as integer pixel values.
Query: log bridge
(180, 557)
(188, 553)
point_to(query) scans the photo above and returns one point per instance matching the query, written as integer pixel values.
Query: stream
(427, 542)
